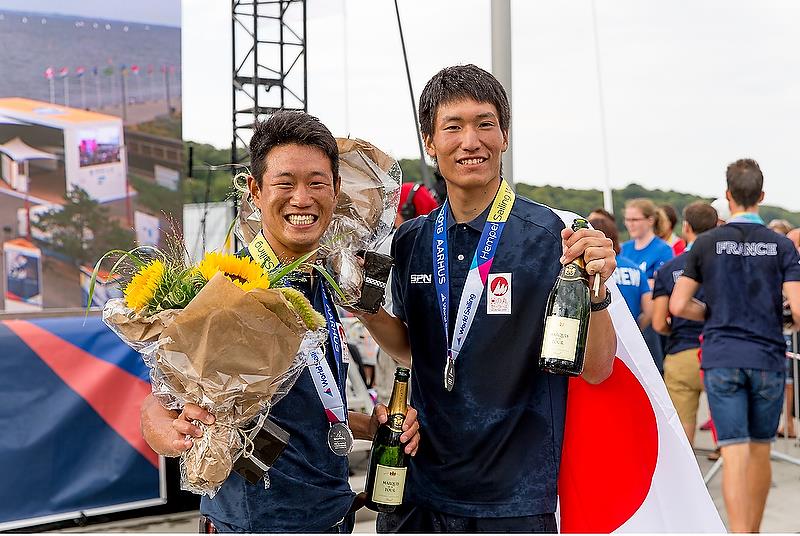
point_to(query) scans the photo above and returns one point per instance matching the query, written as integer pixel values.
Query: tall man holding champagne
(470, 286)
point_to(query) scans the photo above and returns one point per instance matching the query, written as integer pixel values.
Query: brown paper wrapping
(228, 351)
(143, 329)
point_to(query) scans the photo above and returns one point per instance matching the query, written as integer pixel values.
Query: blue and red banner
(70, 395)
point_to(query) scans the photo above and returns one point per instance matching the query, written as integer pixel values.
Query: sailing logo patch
(498, 294)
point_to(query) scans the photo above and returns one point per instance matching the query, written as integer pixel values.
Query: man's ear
(337, 185)
(505, 140)
(760, 198)
(252, 186)
(429, 147)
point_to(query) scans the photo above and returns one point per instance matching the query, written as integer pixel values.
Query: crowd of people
(716, 307)
(486, 440)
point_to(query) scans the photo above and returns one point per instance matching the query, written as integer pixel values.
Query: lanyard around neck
(478, 273)
(329, 387)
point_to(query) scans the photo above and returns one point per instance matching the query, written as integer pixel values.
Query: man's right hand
(168, 432)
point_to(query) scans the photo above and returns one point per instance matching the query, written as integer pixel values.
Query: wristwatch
(601, 306)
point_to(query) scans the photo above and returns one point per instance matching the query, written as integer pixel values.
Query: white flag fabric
(626, 463)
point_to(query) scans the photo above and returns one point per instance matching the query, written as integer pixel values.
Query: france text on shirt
(747, 249)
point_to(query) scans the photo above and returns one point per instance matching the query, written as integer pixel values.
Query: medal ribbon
(263, 253)
(479, 269)
(325, 382)
(330, 395)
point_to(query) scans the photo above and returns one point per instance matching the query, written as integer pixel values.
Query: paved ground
(782, 514)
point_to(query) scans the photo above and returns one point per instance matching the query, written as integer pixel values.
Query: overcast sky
(689, 86)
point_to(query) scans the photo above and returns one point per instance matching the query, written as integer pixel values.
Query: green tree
(207, 184)
(411, 169)
(82, 229)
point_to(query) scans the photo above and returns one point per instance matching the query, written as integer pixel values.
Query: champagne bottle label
(395, 422)
(390, 482)
(572, 273)
(560, 338)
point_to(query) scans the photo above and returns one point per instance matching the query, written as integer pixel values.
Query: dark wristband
(603, 305)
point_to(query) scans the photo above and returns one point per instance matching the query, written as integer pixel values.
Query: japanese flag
(626, 465)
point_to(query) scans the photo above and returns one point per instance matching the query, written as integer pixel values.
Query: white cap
(723, 209)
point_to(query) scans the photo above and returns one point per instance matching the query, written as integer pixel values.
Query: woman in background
(643, 220)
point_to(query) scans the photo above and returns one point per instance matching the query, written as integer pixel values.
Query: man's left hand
(597, 251)
(410, 435)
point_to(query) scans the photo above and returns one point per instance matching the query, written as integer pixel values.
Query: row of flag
(51, 73)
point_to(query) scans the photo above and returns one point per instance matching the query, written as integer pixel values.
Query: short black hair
(285, 127)
(700, 216)
(745, 182)
(460, 82)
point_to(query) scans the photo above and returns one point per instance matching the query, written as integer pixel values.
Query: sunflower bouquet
(222, 334)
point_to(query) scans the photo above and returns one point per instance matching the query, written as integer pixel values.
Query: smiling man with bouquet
(294, 184)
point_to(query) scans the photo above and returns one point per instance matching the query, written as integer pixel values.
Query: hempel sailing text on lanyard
(340, 438)
(476, 279)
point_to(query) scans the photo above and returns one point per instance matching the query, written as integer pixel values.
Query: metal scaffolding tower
(269, 64)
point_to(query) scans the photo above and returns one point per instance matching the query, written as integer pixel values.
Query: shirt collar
(477, 223)
(746, 217)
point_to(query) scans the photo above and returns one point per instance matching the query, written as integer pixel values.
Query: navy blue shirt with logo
(684, 334)
(309, 487)
(742, 268)
(492, 446)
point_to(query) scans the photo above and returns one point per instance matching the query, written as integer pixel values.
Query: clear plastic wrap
(232, 352)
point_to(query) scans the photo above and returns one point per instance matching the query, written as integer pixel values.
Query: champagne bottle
(566, 318)
(386, 477)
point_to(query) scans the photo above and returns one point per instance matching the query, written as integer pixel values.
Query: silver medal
(340, 439)
(450, 374)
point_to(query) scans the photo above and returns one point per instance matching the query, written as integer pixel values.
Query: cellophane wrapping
(232, 352)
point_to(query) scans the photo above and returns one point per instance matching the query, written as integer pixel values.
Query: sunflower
(140, 291)
(244, 272)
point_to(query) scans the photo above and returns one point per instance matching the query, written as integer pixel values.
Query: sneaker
(714, 455)
(707, 425)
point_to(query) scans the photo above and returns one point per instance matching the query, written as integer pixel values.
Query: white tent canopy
(19, 151)
(5, 120)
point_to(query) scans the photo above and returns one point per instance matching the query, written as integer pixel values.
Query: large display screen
(99, 146)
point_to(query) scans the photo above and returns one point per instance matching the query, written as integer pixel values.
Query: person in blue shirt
(644, 221)
(630, 279)
(742, 267)
(473, 326)
(294, 183)
(682, 359)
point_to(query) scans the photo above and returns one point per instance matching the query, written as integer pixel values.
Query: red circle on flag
(609, 454)
(499, 286)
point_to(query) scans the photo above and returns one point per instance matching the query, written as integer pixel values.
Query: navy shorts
(745, 404)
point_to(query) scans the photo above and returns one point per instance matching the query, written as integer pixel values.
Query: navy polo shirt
(309, 487)
(742, 268)
(492, 446)
(685, 334)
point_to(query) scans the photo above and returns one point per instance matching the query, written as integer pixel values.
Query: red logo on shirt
(499, 286)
